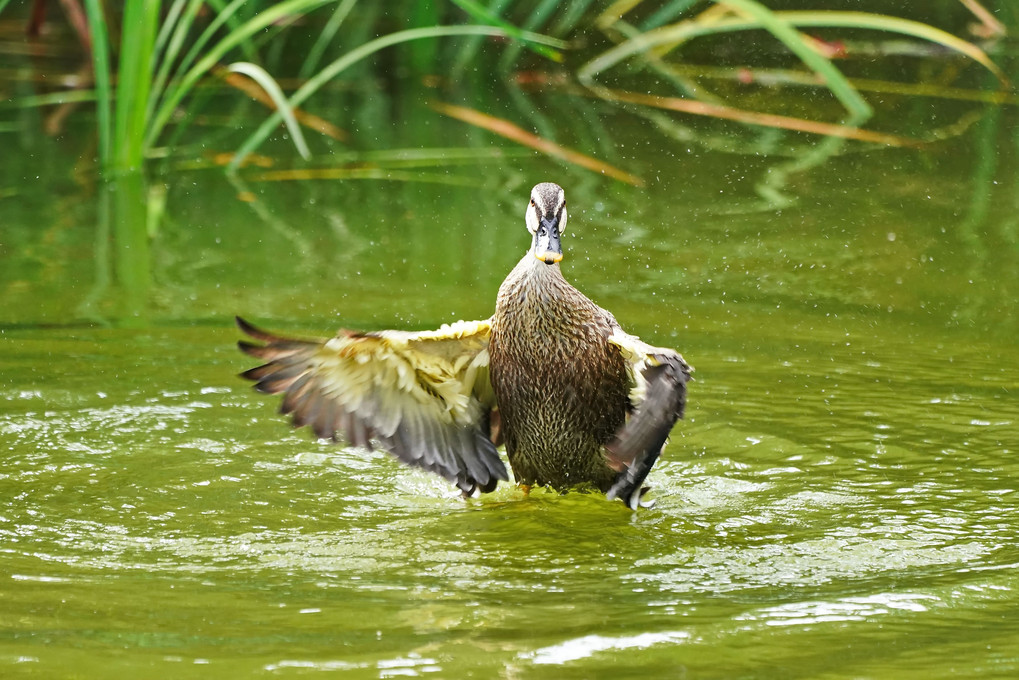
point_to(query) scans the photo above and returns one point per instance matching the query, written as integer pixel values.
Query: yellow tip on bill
(549, 258)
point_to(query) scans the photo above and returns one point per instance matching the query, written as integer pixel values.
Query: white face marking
(531, 216)
(546, 198)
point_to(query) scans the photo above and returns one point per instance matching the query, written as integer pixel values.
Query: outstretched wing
(658, 378)
(424, 397)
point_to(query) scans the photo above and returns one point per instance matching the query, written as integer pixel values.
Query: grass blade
(233, 22)
(479, 13)
(168, 25)
(180, 25)
(782, 29)
(698, 108)
(509, 130)
(469, 50)
(324, 39)
(101, 68)
(882, 22)
(307, 120)
(686, 30)
(272, 88)
(572, 14)
(222, 17)
(178, 90)
(536, 19)
(990, 25)
(667, 13)
(356, 55)
(344, 174)
(134, 80)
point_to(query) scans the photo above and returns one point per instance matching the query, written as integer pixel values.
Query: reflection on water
(787, 519)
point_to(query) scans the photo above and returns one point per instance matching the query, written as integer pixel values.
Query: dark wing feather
(658, 396)
(424, 397)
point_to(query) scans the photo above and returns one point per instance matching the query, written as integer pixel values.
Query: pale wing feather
(421, 396)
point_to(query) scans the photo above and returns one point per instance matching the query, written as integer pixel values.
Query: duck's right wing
(424, 397)
(658, 378)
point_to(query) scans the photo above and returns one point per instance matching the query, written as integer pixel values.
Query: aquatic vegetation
(147, 82)
(651, 45)
(167, 49)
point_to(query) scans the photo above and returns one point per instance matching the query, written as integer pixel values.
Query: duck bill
(547, 247)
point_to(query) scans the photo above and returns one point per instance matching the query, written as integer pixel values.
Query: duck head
(546, 220)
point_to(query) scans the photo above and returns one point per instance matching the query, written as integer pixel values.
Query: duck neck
(535, 291)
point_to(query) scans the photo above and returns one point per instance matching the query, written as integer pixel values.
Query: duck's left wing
(424, 397)
(658, 378)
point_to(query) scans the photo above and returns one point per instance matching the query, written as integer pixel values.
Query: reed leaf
(505, 128)
(572, 14)
(345, 174)
(169, 44)
(756, 118)
(169, 23)
(101, 69)
(233, 22)
(205, 37)
(325, 38)
(779, 26)
(667, 13)
(272, 88)
(357, 54)
(469, 50)
(479, 13)
(180, 88)
(761, 17)
(49, 99)
(882, 22)
(535, 19)
(134, 81)
(783, 23)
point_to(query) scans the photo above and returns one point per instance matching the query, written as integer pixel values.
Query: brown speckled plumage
(561, 387)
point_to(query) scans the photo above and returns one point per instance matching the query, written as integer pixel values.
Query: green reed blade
(479, 13)
(272, 88)
(234, 22)
(667, 13)
(325, 38)
(101, 68)
(176, 91)
(686, 30)
(182, 64)
(175, 30)
(224, 17)
(359, 53)
(572, 14)
(50, 99)
(469, 51)
(168, 25)
(783, 29)
(134, 80)
(882, 22)
(535, 19)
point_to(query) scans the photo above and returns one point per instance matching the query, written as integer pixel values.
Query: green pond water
(840, 502)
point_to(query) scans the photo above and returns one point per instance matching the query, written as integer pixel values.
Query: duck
(578, 403)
